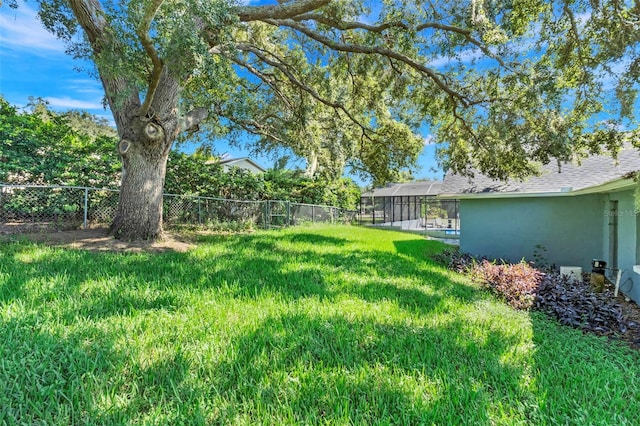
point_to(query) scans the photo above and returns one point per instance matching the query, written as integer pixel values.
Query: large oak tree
(339, 82)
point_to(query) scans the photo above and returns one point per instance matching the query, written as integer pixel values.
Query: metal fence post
(288, 213)
(86, 207)
(199, 213)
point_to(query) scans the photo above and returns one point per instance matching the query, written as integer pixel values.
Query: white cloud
(89, 87)
(465, 57)
(20, 29)
(70, 103)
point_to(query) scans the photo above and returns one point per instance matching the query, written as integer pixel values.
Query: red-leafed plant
(571, 302)
(517, 283)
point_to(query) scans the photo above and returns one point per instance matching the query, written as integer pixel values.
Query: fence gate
(278, 214)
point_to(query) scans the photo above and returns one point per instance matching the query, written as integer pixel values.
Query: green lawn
(313, 325)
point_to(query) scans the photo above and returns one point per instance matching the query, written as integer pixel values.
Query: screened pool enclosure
(410, 206)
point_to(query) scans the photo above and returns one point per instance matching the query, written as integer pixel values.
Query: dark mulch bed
(574, 303)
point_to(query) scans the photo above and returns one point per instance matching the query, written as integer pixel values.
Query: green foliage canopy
(353, 83)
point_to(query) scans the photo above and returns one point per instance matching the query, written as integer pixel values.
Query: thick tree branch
(193, 118)
(149, 48)
(379, 28)
(279, 64)
(349, 25)
(371, 50)
(90, 16)
(284, 10)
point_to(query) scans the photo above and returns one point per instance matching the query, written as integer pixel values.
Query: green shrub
(455, 260)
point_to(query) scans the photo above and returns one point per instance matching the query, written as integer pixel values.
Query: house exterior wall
(569, 228)
(628, 249)
(573, 230)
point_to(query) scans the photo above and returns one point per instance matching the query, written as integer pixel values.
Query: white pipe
(618, 274)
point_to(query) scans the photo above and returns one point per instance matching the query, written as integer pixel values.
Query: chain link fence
(34, 208)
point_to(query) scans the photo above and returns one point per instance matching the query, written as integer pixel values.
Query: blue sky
(33, 63)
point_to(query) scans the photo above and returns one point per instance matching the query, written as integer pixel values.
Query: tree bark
(144, 149)
(139, 214)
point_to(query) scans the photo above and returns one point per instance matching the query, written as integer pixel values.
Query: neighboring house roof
(425, 187)
(594, 174)
(243, 163)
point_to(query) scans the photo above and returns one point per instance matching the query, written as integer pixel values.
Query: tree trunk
(147, 129)
(139, 214)
(144, 148)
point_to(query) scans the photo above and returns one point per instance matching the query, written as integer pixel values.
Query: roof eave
(233, 161)
(614, 185)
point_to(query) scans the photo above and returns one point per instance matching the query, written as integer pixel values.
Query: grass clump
(315, 325)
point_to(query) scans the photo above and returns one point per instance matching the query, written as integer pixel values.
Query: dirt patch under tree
(97, 239)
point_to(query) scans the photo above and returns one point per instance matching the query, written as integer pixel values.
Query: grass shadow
(274, 328)
(336, 369)
(419, 251)
(275, 235)
(246, 266)
(87, 284)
